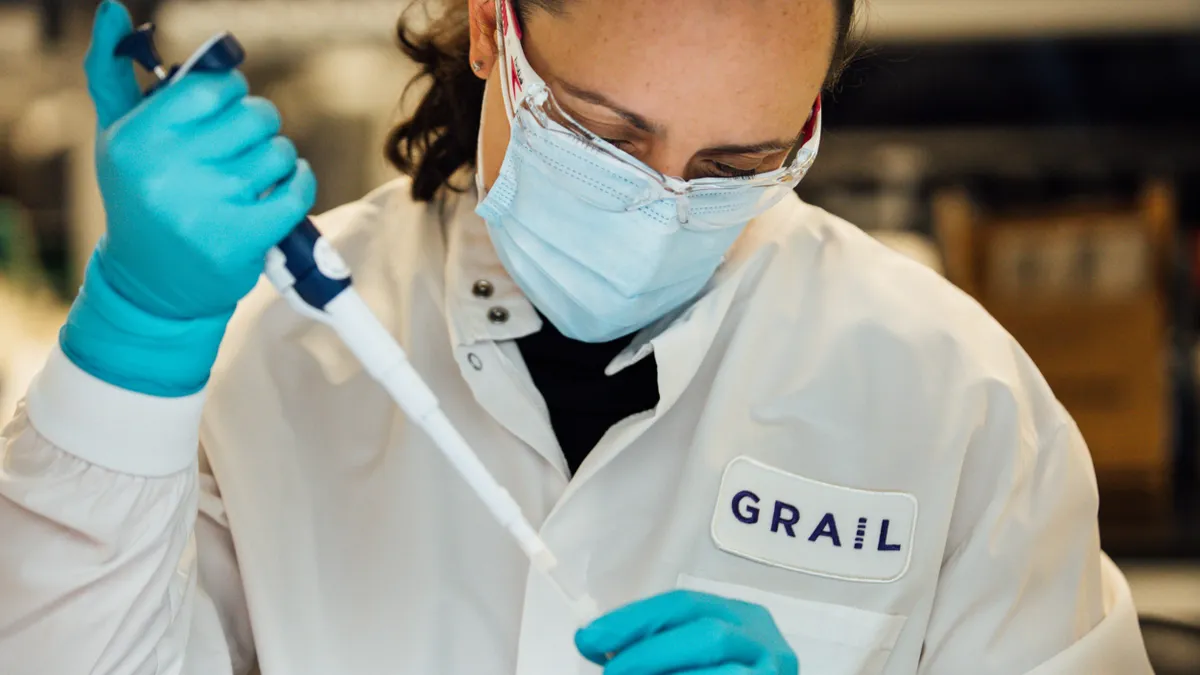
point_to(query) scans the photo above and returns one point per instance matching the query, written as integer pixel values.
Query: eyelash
(720, 170)
(618, 143)
(726, 171)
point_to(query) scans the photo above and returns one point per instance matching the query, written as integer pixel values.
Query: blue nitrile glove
(183, 175)
(687, 632)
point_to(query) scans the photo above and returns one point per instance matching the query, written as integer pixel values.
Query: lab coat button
(475, 361)
(498, 315)
(483, 289)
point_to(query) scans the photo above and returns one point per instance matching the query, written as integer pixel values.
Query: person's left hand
(687, 632)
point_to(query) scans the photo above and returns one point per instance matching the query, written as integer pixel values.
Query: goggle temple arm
(811, 133)
(515, 72)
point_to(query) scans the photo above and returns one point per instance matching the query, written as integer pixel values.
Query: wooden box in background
(1081, 288)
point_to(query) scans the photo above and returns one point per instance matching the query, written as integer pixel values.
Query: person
(760, 440)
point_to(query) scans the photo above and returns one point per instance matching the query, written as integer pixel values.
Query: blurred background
(1044, 155)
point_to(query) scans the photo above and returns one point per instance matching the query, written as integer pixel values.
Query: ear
(483, 35)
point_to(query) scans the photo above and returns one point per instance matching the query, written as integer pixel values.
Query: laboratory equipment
(311, 276)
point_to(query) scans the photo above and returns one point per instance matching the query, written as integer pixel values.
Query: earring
(477, 66)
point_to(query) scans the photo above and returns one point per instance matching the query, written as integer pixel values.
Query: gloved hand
(687, 632)
(183, 175)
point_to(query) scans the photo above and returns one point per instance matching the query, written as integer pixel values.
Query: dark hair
(441, 136)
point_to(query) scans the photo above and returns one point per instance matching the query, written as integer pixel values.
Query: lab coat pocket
(828, 639)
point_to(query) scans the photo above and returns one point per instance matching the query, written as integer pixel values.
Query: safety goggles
(613, 180)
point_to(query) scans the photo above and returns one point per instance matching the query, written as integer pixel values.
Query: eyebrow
(597, 98)
(765, 147)
(645, 125)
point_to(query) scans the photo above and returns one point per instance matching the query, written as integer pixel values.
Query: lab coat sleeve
(1027, 589)
(99, 572)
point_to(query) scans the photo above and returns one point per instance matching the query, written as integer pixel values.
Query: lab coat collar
(483, 303)
(681, 339)
(471, 260)
(681, 342)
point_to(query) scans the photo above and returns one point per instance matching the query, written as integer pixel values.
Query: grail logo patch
(785, 520)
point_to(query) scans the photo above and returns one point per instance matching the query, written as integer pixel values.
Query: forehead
(756, 63)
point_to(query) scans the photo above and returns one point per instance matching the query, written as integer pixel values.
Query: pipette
(311, 276)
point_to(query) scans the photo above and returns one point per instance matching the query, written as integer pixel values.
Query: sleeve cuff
(110, 427)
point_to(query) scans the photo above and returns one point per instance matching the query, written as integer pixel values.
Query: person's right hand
(197, 187)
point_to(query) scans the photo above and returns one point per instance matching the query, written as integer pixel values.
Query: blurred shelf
(293, 25)
(846, 155)
(1137, 526)
(942, 20)
(20, 32)
(1165, 589)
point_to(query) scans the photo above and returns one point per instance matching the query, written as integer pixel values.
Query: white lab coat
(842, 437)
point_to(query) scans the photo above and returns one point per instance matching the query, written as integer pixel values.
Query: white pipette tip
(586, 609)
(582, 605)
(543, 560)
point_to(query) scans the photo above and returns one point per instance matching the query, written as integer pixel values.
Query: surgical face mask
(599, 242)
